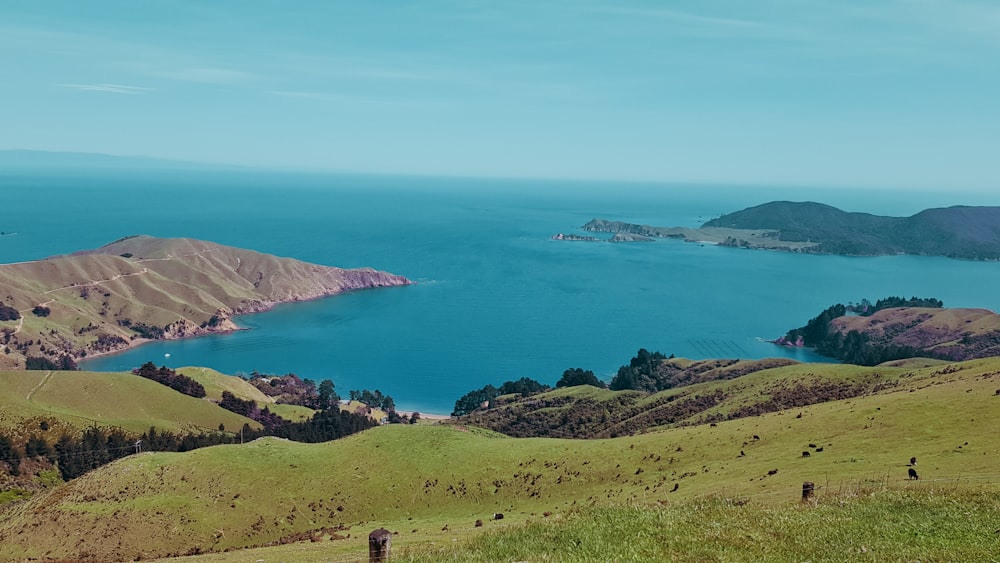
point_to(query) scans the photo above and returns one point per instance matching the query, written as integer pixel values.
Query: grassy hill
(69, 401)
(140, 287)
(431, 483)
(587, 412)
(215, 383)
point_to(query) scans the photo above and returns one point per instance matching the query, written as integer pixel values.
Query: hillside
(958, 232)
(137, 288)
(431, 483)
(951, 334)
(896, 329)
(70, 401)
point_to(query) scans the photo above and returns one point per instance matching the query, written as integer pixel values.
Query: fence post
(378, 545)
(807, 490)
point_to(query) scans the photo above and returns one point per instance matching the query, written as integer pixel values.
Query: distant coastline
(961, 232)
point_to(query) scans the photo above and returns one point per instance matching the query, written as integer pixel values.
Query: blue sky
(891, 93)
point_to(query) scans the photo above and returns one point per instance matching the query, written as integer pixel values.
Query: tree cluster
(146, 331)
(251, 410)
(170, 378)
(642, 372)
(40, 311)
(577, 376)
(8, 313)
(96, 446)
(64, 363)
(324, 426)
(292, 390)
(866, 309)
(478, 398)
(374, 399)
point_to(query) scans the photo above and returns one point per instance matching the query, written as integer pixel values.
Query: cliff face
(141, 288)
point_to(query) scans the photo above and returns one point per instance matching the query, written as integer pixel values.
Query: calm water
(496, 298)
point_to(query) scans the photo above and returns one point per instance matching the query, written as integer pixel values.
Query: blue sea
(495, 297)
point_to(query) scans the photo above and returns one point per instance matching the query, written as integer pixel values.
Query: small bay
(495, 297)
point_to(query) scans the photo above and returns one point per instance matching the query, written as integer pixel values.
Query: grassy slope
(426, 478)
(74, 400)
(585, 411)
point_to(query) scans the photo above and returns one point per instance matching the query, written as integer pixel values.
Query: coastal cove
(495, 298)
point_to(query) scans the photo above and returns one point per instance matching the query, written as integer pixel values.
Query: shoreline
(266, 308)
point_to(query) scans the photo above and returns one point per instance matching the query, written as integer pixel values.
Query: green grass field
(69, 401)
(431, 483)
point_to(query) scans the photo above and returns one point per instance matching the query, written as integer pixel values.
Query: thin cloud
(110, 88)
(346, 99)
(206, 75)
(301, 95)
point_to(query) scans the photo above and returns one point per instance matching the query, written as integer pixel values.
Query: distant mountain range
(33, 160)
(971, 233)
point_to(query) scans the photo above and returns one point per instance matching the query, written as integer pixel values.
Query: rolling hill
(430, 483)
(141, 287)
(70, 401)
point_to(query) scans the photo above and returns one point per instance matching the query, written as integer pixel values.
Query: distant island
(971, 233)
(56, 311)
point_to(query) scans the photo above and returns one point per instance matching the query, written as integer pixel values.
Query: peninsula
(65, 308)
(895, 328)
(971, 233)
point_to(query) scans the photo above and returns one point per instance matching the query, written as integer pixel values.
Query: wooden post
(807, 490)
(378, 545)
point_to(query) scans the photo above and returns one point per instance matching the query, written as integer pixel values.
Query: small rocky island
(62, 309)
(970, 233)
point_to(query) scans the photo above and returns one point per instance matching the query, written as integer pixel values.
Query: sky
(867, 93)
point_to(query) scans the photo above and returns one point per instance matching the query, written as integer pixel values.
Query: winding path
(39, 386)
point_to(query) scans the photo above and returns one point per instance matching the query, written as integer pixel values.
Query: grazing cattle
(805, 454)
(772, 472)
(742, 454)
(498, 516)
(812, 445)
(913, 461)
(756, 437)
(676, 486)
(479, 523)
(913, 474)
(819, 449)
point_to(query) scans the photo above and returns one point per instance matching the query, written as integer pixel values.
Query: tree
(327, 394)
(524, 386)
(474, 400)
(577, 376)
(10, 456)
(8, 313)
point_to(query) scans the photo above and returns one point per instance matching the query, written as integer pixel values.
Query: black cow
(913, 474)
(498, 516)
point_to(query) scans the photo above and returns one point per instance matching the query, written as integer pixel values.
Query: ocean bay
(495, 298)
